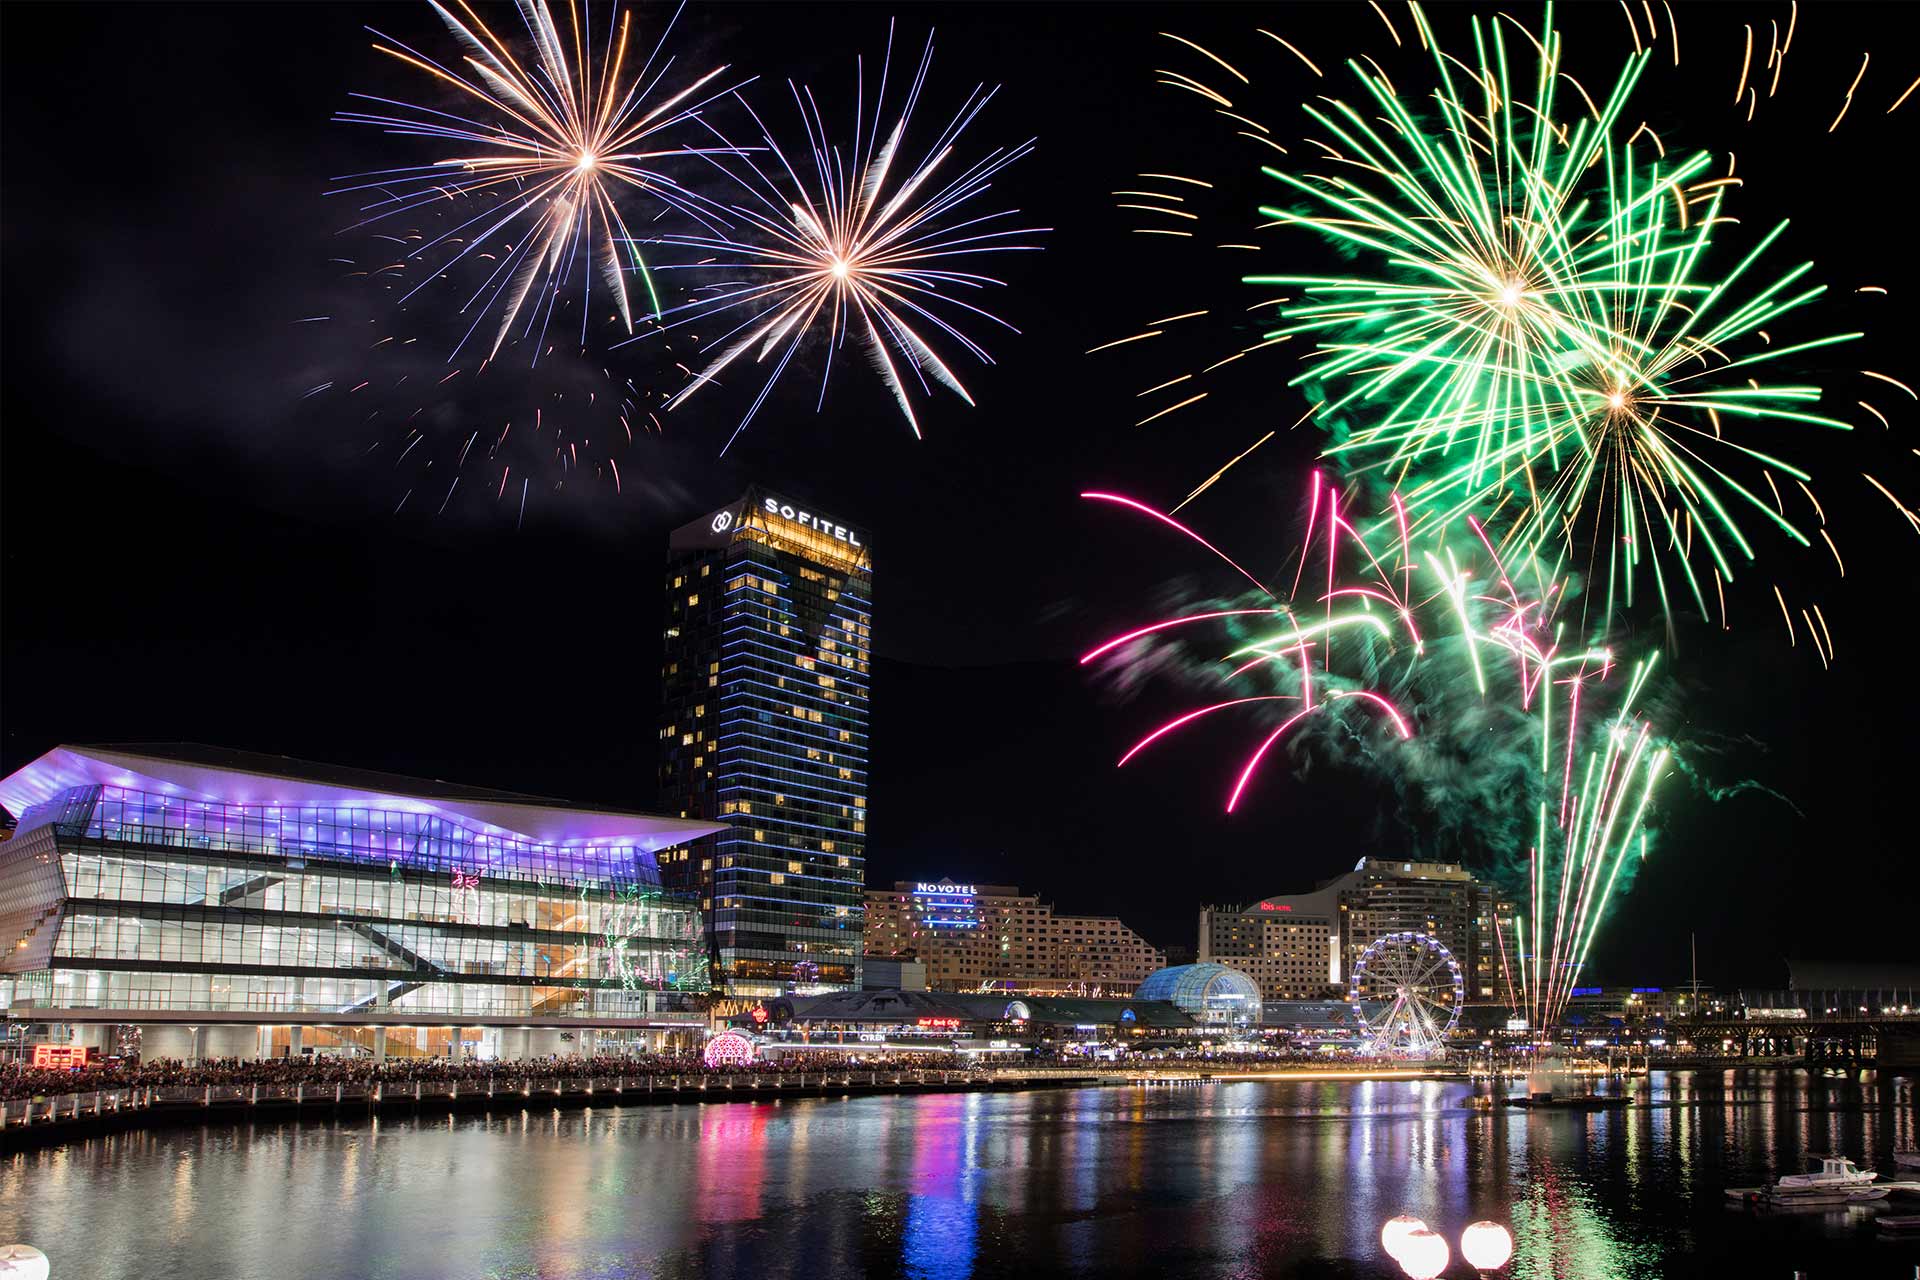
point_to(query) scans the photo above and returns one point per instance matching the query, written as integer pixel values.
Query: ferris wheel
(1406, 990)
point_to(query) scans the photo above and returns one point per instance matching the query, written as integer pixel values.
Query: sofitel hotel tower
(765, 729)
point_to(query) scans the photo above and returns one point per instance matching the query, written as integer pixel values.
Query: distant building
(1839, 987)
(977, 1026)
(764, 728)
(972, 936)
(1303, 946)
(892, 973)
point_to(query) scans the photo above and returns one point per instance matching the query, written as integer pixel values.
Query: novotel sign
(813, 520)
(945, 889)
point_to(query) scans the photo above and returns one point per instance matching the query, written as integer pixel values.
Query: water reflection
(1255, 1178)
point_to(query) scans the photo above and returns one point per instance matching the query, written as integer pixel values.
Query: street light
(23, 1262)
(1424, 1254)
(1486, 1246)
(1394, 1234)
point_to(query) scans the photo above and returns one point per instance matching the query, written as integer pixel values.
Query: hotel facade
(991, 936)
(192, 902)
(1304, 946)
(765, 723)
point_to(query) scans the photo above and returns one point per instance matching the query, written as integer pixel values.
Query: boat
(1907, 1159)
(1835, 1172)
(1899, 1223)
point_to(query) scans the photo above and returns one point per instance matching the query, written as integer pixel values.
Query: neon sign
(729, 1049)
(62, 1056)
(1281, 906)
(939, 1024)
(818, 523)
(946, 887)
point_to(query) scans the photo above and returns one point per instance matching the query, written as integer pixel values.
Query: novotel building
(764, 726)
(992, 936)
(186, 901)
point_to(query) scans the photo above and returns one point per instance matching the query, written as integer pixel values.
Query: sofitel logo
(787, 511)
(723, 522)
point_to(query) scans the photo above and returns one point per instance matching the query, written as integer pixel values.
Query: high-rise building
(970, 935)
(1303, 946)
(764, 728)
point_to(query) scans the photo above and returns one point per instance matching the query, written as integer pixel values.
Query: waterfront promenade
(41, 1106)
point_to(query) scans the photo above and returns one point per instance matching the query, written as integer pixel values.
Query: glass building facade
(765, 720)
(145, 884)
(1210, 994)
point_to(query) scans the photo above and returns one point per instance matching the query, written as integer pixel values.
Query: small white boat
(1834, 1173)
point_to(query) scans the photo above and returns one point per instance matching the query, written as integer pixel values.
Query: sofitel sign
(787, 511)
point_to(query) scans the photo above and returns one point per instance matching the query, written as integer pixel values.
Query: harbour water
(1230, 1179)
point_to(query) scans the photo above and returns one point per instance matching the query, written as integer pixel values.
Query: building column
(293, 1040)
(379, 1044)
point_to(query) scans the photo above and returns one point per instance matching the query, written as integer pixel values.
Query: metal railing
(19, 1113)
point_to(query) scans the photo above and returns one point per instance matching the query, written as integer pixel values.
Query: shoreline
(116, 1110)
(26, 1123)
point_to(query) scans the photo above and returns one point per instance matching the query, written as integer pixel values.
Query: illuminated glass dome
(1210, 993)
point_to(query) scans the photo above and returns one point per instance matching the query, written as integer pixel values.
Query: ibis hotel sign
(774, 506)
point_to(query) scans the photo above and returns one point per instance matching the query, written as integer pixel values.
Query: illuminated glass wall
(765, 728)
(146, 902)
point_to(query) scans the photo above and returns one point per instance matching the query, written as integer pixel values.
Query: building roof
(216, 774)
(1842, 975)
(1193, 986)
(911, 1006)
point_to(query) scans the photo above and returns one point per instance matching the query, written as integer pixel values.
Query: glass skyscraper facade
(155, 883)
(765, 721)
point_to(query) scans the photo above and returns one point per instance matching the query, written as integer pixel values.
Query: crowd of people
(22, 1080)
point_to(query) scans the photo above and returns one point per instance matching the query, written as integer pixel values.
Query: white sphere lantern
(23, 1262)
(1395, 1232)
(1486, 1246)
(1424, 1254)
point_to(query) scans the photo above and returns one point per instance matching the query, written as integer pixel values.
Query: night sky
(194, 552)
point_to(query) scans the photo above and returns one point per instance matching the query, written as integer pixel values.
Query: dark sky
(193, 552)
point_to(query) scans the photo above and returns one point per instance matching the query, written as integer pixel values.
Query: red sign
(62, 1055)
(759, 1014)
(1269, 906)
(942, 1024)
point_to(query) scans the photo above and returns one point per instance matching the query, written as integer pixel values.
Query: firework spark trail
(1550, 322)
(1545, 331)
(863, 246)
(546, 149)
(1591, 759)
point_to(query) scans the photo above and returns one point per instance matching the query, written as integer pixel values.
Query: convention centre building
(193, 902)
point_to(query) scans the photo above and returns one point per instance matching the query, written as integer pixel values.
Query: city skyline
(1380, 748)
(194, 434)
